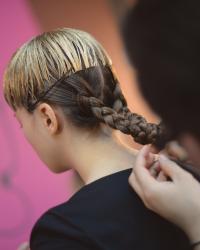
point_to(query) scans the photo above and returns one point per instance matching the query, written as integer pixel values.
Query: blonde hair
(45, 59)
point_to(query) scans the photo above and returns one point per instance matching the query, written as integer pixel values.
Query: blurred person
(162, 40)
(63, 90)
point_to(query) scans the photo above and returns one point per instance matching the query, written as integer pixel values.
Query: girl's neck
(99, 157)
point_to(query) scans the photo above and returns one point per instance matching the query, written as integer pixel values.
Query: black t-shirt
(108, 215)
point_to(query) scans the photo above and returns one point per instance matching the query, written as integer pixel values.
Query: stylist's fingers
(142, 155)
(150, 159)
(161, 177)
(142, 174)
(170, 168)
(155, 169)
(145, 157)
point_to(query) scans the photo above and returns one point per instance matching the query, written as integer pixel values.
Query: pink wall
(27, 187)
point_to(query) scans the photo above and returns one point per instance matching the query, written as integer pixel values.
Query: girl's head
(64, 81)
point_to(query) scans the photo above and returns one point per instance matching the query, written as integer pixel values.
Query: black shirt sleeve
(53, 232)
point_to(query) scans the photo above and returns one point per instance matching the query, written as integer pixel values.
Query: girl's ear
(49, 118)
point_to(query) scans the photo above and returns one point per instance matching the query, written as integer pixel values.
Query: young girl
(64, 93)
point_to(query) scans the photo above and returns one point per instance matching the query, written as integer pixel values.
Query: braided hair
(93, 96)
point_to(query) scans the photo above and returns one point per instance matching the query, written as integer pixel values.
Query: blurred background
(27, 187)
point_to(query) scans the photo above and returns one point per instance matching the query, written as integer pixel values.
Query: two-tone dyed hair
(69, 68)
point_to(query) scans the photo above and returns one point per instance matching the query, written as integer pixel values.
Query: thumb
(170, 168)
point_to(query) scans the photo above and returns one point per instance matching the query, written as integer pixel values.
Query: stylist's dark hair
(162, 39)
(70, 69)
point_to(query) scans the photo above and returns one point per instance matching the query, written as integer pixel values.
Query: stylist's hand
(177, 200)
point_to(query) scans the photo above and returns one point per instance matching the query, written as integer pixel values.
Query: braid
(125, 121)
(94, 95)
(142, 131)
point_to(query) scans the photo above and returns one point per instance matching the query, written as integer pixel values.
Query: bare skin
(62, 146)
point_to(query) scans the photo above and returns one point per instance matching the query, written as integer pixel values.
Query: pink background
(27, 187)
